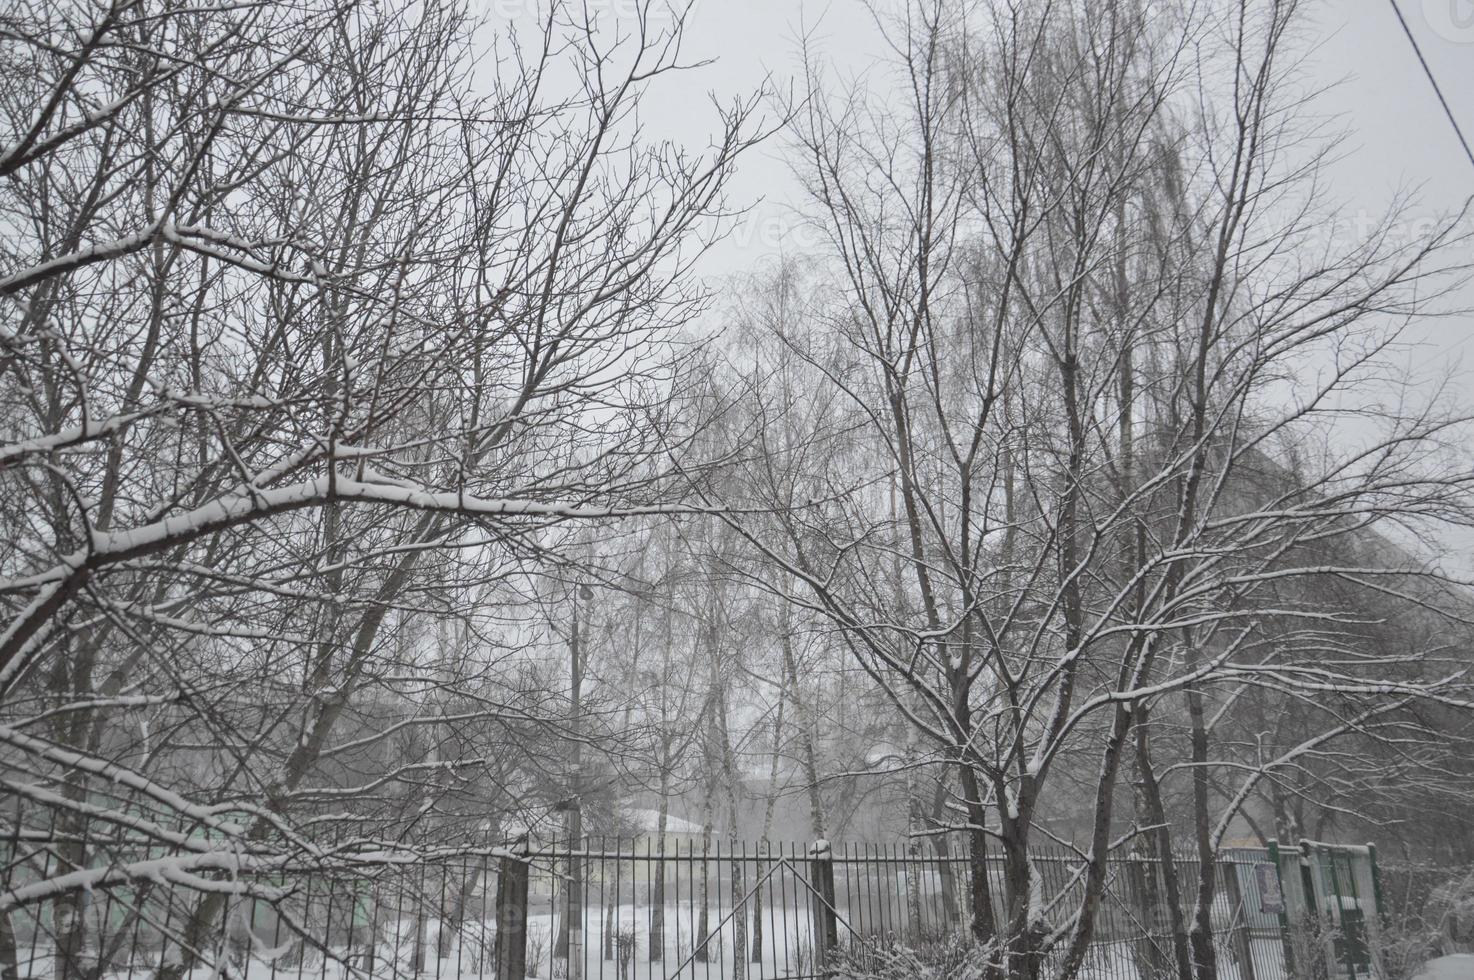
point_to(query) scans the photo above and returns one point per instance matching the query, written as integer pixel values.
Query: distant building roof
(648, 822)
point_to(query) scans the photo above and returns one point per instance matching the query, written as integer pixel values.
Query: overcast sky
(1400, 137)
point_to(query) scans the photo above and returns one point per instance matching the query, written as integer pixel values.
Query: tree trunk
(1153, 814)
(942, 847)
(769, 803)
(657, 891)
(703, 917)
(984, 928)
(1023, 941)
(805, 720)
(1205, 956)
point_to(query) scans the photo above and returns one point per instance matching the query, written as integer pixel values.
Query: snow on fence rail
(608, 909)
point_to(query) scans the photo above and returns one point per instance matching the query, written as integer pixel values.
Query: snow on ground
(1459, 966)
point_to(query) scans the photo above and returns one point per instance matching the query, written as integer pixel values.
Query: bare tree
(318, 336)
(1088, 330)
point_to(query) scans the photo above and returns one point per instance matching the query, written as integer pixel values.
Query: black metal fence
(366, 915)
(607, 909)
(718, 910)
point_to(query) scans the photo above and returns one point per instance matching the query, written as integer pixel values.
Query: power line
(1429, 72)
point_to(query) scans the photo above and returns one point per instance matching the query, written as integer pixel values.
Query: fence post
(1382, 920)
(511, 914)
(1377, 885)
(821, 879)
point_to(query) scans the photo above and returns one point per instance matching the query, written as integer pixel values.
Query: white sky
(1399, 136)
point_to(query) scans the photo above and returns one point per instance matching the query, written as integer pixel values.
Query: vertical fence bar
(460, 897)
(872, 898)
(783, 899)
(891, 888)
(675, 870)
(327, 941)
(865, 922)
(702, 916)
(750, 909)
(724, 918)
(878, 854)
(650, 870)
(605, 913)
(614, 923)
(481, 882)
(598, 898)
(581, 920)
(558, 878)
(619, 924)
(676, 908)
(650, 898)
(632, 953)
(755, 943)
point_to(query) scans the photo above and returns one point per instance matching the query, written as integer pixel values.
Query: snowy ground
(1460, 966)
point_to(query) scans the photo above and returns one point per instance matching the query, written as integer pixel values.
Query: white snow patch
(1459, 966)
(648, 821)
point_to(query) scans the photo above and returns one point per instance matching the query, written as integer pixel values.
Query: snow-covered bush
(537, 949)
(1436, 924)
(946, 958)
